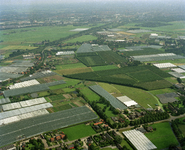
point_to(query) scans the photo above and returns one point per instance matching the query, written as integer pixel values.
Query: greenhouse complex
(30, 127)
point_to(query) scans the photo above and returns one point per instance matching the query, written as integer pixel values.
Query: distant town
(92, 76)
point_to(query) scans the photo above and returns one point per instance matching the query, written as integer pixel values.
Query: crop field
(70, 66)
(142, 97)
(90, 94)
(175, 27)
(75, 132)
(163, 136)
(82, 39)
(162, 91)
(145, 77)
(112, 57)
(56, 97)
(100, 58)
(62, 107)
(109, 88)
(73, 71)
(18, 47)
(45, 93)
(35, 34)
(92, 60)
(98, 68)
(148, 51)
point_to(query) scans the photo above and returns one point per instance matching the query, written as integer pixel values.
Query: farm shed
(164, 65)
(127, 101)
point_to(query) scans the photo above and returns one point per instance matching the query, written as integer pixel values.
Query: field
(175, 27)
(163, 136)
(45, 93)
(82, 39)
(76, 132)
(34, 34)
(107, 111)
(162, 91)
(148, 51)
(18, 47)
(90, 94)
(70, 66)
(145, 77)
(56, 97)
(73, 71)
(101, 58)
(98, 68)
(142, 97)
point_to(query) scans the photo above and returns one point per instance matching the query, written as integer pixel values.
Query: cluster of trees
(178, 133)
(150, 117)
(37, 144)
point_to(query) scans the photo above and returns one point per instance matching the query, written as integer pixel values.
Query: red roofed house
(52, 139)
(62, 136)
(58, 137)
(95, 124)
(71, 146)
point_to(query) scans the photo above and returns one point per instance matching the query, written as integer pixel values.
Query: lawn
(82, 38)
(76, 132)
(124, 143)
(142, 97)
(70, 66)
(163, 136)
(182, 128)
(1, 97)
(90, 94)
(104, 67)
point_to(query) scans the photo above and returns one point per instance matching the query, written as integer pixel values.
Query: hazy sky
(28, 2)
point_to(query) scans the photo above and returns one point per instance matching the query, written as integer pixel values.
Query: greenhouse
(33, 126)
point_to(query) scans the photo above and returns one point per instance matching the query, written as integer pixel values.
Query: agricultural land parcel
(76, 132)
(100, 58)
(175, 27)
(13, 38)
(146, 77)
(82, 39)
(163, 136)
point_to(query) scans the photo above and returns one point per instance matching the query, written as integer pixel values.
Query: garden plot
(167, 97)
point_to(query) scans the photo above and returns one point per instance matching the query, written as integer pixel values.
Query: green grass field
(124, 143)
(162, 91)
(107, 111)
(163, 136)
(35, 34)
(108, 87)
(62, 107)
(76, 132)
(175, 27)
(1, 97)
(70, 66)
(82, 38)
(73, 71)
(98, 68)
(142, 97)
(90, 94)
